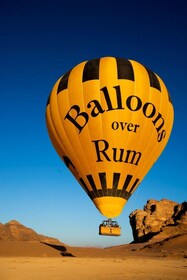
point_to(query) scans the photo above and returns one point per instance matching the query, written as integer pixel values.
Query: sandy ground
(29, 268)
(37, 261)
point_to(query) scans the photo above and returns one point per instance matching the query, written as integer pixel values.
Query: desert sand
(26, 268)
(39, 261)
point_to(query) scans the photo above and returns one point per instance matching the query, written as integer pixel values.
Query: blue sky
(40, 41)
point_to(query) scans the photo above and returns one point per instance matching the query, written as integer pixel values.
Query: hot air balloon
(109, 120)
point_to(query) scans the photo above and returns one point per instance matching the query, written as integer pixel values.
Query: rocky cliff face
(158, 216)
(14, 231)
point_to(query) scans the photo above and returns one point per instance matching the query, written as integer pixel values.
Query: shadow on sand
(61, 248)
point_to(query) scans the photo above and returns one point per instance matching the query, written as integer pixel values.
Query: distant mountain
(15, 231)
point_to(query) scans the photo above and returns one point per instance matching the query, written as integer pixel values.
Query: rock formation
(158, 216)
(14, 231)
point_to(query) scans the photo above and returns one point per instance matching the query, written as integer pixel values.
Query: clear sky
(40, 41)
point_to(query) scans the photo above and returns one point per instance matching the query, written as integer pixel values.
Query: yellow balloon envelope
(109, 119)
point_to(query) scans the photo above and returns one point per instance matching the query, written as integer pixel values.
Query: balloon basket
(109, 228)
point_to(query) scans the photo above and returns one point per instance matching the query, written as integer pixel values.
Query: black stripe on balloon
(63, 84)
(134, 185)
(127, 181)
(154, 82)
(125, 69)
(105, 192)
(102, 177)
(110, 192)
(68, 162)
(91, 70)
(126, 194)
(48, 100)
(92, 184)
(90, 194)
(116, 177)
(169, 97)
